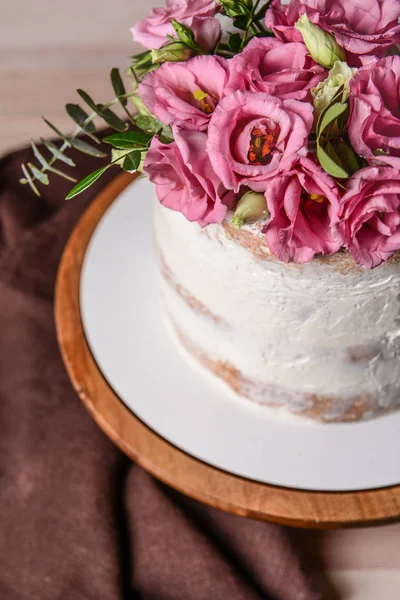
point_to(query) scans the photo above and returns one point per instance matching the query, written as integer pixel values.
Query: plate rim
(163, 460)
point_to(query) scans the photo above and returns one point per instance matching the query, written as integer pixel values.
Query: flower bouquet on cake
(247, 110)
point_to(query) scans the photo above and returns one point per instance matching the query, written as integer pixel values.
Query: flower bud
(321, 45)
(175, 52)
(141, 65)
(235, 8)
(185, 34)
(339, 76)
(252, 207)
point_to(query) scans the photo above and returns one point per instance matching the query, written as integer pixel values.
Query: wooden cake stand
(163, 460)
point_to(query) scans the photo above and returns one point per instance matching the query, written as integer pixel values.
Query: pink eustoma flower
(152, 31)
(370, 216)
(185, 180)
(304, 204)
(252, 136)
(185, 94)
(361, 27)
(374, 123)
(271, 66)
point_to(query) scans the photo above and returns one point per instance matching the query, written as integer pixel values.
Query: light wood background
(52, 47)
(47, 50)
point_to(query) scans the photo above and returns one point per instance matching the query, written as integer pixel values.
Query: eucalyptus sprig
(85, 126)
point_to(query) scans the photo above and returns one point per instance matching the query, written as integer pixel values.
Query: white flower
(339, 75)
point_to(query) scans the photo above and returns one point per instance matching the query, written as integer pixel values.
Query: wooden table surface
(45, 55)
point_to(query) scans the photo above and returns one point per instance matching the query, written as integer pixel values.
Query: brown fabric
(78, 520)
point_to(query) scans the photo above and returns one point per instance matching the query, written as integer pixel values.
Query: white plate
(124, 325)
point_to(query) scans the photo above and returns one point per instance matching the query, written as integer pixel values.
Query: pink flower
(252, 136)
(271, 66)
(304, 206)
(370, 218)
(361, 27)
(185, 180)
(151, 32)
(185, 94)
(374, 124)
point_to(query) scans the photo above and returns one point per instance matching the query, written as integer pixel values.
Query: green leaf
(79, 116)
(129, 139)
(235, 42)
(84, 147)
(336, 98)
(329, 165)
(333, 113)
(241, 22)
(348, 157)
(132, 161)
(86, 183)
(118, 86)
(56, 152)
(260, 16)
(153, 126)
(42, 177)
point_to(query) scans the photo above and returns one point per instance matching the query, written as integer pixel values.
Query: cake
(271, 132)
(320, 339)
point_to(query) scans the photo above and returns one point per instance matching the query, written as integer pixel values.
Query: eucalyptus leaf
(79, 116)
(129, 139)
(89, 101)
(57, 131)
(84, 147)
(42, 177)
(105, 113)
(39, 156)
(235, 42)
(112, 119)
(329, 165)
(86, 183)
(56, 152)
(132, 161)
(28, 179)
(118, 86)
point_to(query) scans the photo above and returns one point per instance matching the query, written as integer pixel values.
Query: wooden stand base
(167, 463)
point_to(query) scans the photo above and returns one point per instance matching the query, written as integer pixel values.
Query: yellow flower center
(319, 198)
(204, 101)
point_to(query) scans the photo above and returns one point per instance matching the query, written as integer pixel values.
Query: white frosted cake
(321, 339)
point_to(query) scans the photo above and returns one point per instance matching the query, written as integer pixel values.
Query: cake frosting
(321, 339)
